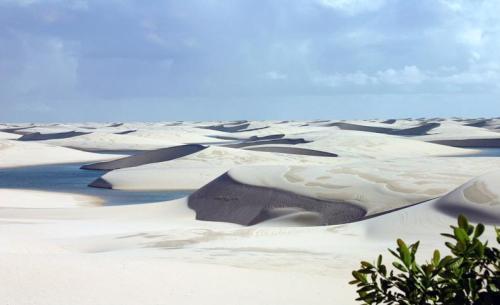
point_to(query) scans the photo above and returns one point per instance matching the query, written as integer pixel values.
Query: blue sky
(86, 60)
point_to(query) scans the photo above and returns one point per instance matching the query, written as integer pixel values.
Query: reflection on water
(69, 178)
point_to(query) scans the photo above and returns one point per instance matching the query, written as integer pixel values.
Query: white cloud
(47, 69)
(338, 79)
(452, 5)
(475, 26)
(72, 4)
(179, 49)
(353, 6)
(488, 74)
(153, 34)
(472, 36)
(276, 75)
(408, 75)
(412, 76)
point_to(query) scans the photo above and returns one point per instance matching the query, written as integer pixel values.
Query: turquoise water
(69, 178)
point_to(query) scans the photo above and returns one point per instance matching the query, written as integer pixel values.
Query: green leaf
(367, 265)
(461, 236)
(358, 276)
(470, 275)
(404, 252)
(436, 258)
(479, 230)
(448, 235)
(399, 267)
(470, 230)
(449, 245)
(462, 222)
(394, 253)
(414, 248)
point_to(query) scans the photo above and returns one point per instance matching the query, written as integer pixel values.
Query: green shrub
(470, 275)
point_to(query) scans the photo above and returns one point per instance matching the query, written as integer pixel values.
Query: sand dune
(153, 156)
(293, 151)
(225, 128)
(267, 142)
(14, 198)
(251, 138)
(486, 143)
(492, 124)
(178, 134)
(365, 145)
(14, 154)
(36, 136)
(125, 132)
(160, 243)
(17, 130)
(376, 186)
(478, 123)
(234, 127)
(414, 131)
(453, 130)
(54, 250)
(8, 136)
(193, 171)
(479, 199)
(226, 200)
(106, 141)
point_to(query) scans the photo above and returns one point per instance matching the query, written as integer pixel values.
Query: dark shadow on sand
(152, 156)
(470, 143)
(414, 131)
(36, 136)
(293, 151)
(227, 200)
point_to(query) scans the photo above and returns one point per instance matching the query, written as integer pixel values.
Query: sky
(93, 60)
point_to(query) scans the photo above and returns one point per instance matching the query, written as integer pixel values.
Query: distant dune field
(279, 212)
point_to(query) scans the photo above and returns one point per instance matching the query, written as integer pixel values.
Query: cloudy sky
(92, 60)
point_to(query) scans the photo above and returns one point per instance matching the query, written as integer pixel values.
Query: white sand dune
(15, 198)
(195, 170)
(148, 157)
(8, 136)
(153, 246)
(377, 186)
(360, 144)
(58, 248)
(110, 141)
(479, 198)
(180, 134)
(458, 130)
(14, 154)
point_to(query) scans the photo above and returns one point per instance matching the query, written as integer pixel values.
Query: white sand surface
(14, 198)
(347, 143)
(180, 134)
(110, 141)
(376, 186)
(15, 153)
(479, 196)
(451, 130)
(8, 136)
(195, 170)
(158, 253)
